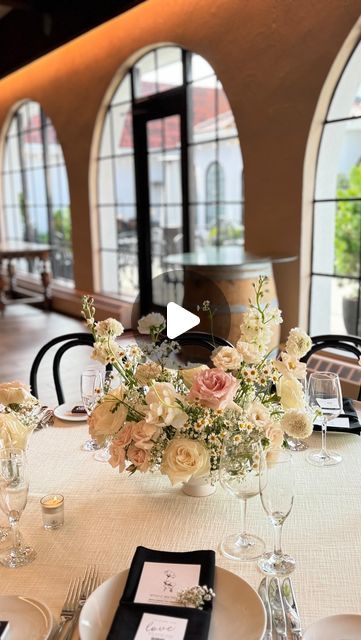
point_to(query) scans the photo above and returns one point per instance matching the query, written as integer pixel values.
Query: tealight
(52, 507)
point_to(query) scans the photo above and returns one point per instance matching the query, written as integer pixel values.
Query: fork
(89, 583)
(69, 606)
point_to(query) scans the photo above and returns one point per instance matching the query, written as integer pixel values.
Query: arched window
(336, 274)
(167, 122)
(35, 196)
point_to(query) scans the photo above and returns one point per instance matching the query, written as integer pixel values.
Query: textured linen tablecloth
(108, 514)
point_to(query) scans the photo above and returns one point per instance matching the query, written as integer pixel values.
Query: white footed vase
(199, 487)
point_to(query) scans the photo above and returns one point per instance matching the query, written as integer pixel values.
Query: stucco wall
(272, 56)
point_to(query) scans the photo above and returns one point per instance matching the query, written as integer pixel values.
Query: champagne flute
(14, 488)
(91, 388)
(238, 474)
(111, 381)
(277, 491)
(324, 395)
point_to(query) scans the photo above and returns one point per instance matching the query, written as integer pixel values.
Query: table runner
(107, 515)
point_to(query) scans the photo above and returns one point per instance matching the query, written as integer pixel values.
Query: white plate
(27, 618)
(238, 611)
(63, 412)
(342, 627)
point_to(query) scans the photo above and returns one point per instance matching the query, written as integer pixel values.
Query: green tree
(348, 224)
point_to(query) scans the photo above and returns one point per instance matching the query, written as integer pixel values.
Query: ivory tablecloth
(107, 515)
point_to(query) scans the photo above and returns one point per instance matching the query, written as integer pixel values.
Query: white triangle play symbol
(179, 320)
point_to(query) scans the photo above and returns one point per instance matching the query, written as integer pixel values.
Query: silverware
(263, 593)
(69, 607)
(89, 583)
(291, 609)
(277, 609)
(45, 418)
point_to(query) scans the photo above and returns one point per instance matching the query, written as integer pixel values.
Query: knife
(263, 593)
(277, 609)
(291, 609)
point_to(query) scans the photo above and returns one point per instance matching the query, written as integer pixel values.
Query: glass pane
(166, 239)
(200, 157)
(170, 67)
(123, 92)
(105, 182)
(338, 169)
(10, 196)
(225, 120)
(202, 118)
(12, 153)
(108, 228)
(54, 151)
(171, 126)
(230, 160)
(122, 129)
(154, 135)
(109, 272)
(145, 76)
(200, 68)
(334, 306)
(55, 185)
(347, 98)
(124, 179)
(64, 187)
(164, 168)
(128, 251)
(106, 142)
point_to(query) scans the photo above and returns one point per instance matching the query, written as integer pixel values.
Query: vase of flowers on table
(174, 418)
(18, 414)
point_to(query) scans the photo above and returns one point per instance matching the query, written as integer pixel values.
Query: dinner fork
(69, 606)
(89, 583)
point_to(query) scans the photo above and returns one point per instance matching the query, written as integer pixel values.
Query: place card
(160, 582)
(157, 627)
(336, 422)
(329, 403)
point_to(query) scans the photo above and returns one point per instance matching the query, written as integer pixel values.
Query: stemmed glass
(277, 490)
(239, 475)
(325, 396)
(111, 381)
(14, 488)
(91, 388)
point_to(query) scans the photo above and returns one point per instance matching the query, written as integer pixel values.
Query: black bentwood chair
(195, 344)
(349, 344)
(70, 340)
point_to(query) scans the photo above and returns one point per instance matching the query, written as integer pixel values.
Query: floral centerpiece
(18, 410)
(174, 418)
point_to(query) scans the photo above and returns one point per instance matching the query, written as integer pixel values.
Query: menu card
(157, 627)
(160, 582)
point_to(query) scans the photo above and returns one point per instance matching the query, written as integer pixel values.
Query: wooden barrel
(228, 288)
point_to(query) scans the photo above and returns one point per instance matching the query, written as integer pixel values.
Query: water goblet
(14, 488)
(324, 396)
(91, 388)
(277, 491)
(239, 476)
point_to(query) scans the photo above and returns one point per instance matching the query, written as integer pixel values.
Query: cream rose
(109, 327)
(188, 374)
(258, 414)
(251, 353)
(144, 434)
(185, 458)
(297, 424)
(163, 408)
(16, 392)
(12, 431)
(139, 457)
(226, 358)
(274, 433)
(108, 416)
(151, 321)
(291, 393)
(298, 343)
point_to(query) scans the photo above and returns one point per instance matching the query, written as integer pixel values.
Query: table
(13, 250)
(107, 515)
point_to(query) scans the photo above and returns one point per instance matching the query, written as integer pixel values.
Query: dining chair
(201, 343)
(345, 343)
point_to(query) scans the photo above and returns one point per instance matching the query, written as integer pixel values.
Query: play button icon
(179, 320)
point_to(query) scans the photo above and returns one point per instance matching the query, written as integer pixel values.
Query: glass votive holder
(52, 508)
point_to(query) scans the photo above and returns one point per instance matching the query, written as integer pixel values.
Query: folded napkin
(350, 413)
(129, 613)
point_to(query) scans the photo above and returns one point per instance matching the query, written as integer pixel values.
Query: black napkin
(351, 414)
(128, 614)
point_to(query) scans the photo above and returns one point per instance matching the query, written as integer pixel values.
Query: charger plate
(345, 626)
(28, 619)
(238, 611)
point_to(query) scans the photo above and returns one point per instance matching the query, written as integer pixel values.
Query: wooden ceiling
(31, 28)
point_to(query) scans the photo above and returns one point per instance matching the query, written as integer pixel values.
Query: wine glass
(325, 396)
(14, 488)
(111, 381)
(91, 388)
(238, 474)
(277, 490)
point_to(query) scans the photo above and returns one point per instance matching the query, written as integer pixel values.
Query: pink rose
(142, 434)
(117, 447)
(139, 457)
(213, 388)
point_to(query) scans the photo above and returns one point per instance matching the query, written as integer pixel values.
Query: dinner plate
(27, 618)
(346, 626)
(63, 412)
(238, 611)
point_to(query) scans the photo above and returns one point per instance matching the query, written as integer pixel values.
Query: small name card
(160, 582)
(156, 627)
(336, 422)
(329, 403)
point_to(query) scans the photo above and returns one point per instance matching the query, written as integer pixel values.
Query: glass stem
(243, 516)
(277, 540)
(14, 523)
(324, 436)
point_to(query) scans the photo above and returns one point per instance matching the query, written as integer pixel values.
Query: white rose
(290, 366)
(12, 431)
(188, 374)
(258, 414)
(109, 327)
(250, 352)
(298, 343)
(274, 433)
(108, 416)
(147, 372)
(226, 358)
(163, 408)
(290, 392)
(183, 459)
(297, 424)
(151, 321)
(15, 392)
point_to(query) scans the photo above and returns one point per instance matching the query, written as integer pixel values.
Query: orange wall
(272, 57)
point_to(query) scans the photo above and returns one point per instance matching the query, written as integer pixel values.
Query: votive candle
(52, 507)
